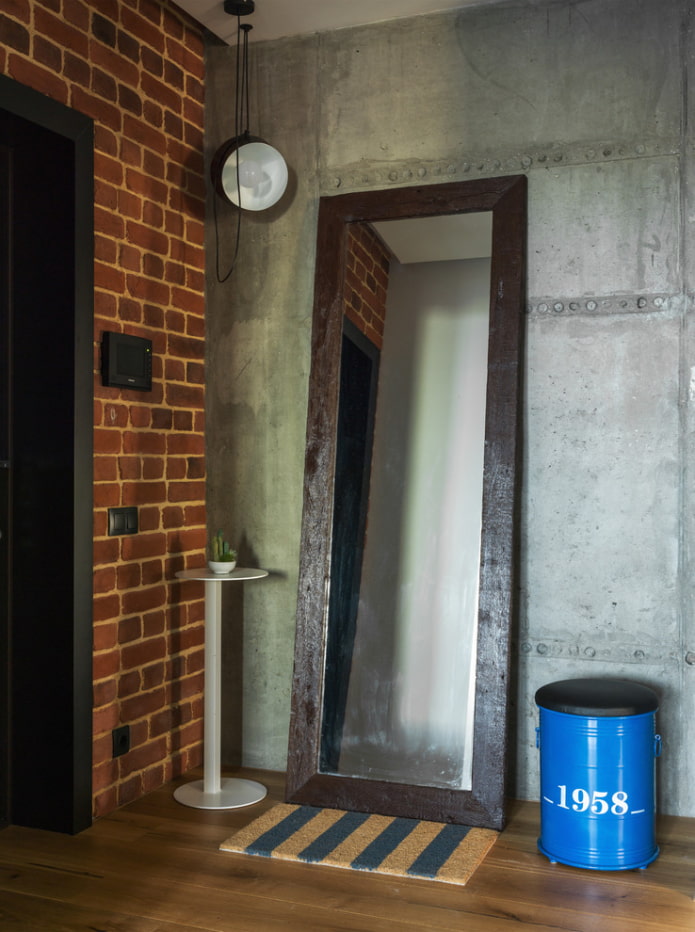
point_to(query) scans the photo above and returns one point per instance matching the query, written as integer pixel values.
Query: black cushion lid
(597, 697)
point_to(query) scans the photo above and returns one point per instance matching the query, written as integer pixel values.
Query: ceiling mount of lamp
(246, 170)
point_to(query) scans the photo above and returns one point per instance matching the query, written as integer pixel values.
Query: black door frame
(50, 682)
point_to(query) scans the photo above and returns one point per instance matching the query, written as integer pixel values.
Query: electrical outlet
(121, 740)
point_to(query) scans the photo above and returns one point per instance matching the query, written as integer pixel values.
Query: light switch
(123, 521)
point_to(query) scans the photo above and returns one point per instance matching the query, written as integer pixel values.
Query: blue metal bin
(598, 750)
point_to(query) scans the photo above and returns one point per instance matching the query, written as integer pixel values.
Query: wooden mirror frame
(484, 803)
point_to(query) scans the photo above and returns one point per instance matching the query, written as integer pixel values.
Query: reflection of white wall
(411, 687)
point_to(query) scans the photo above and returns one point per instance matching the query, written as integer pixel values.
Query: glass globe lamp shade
(249, 173)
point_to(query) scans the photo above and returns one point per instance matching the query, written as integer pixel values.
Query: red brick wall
(136, 67)
(366, 281)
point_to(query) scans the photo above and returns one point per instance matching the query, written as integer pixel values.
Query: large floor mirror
(408, 569)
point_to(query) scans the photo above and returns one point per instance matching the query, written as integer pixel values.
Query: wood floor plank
(155, 866)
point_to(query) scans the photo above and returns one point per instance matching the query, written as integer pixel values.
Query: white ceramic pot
(222, 567)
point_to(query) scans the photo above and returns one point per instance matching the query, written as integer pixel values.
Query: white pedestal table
(214, 791)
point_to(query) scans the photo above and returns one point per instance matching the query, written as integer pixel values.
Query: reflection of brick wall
(137, 69)
(366, 281)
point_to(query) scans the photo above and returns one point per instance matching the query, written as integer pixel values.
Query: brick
(148, 754)
(129, 99)
(105, 665)
(104, 30)
(161, 92)
(105, 249)
(186, 491)
(104, 86)
(131, 153)
(173, 516)
(130, 206)
(143, 704)
(107, 495)
(143, 493)
(129, 684)
(183, 420)
(128, 46)
(183, 541)
(175, 467)
(143, 132)
(104, 579)
(175, 370)
(124, 71)
(61, 32)
(128, 576)
(141, 600)
(149, 518)
(154, 115)
(18, 9)
(195, 373)
(105, 221)
(129, 257)
(183, 444)
(105, 636)
(41, 79)
(104, 693)
(129, 310)
(144, 442)
(105, 802)
(104, 468)
(99, 523)
(147, 289)
(195, 514)
(154, 777)
(195, 467)
(105, 774)
(140, 546)
(153, 623)
(153, 214)
(104, 719)
(48, 54)
(140, 416)
(153, 266)
(130, 790)
(129, 467)
(142, 29)
(106, 551)
(153, 316)
(185, 396)
(152, 62)
(101, 750)
(77, 70)
(153, 468)
(173, 124)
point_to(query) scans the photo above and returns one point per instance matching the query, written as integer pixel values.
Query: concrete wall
(589, 99)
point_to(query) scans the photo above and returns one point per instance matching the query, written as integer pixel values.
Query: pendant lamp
(246, 170)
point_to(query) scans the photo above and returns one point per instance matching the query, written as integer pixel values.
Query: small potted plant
(223, 558)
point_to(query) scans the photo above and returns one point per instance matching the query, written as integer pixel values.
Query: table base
(234, 793)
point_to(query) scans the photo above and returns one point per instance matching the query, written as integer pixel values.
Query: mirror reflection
(402, 626)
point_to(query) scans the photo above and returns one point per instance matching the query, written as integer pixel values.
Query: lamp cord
(241, 110)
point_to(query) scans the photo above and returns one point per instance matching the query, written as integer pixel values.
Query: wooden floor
(155, 866)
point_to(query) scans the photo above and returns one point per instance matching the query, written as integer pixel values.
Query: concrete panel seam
(368, 173)
(602, 305)
(616, 652)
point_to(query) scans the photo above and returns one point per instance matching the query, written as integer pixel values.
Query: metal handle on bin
(657, 746)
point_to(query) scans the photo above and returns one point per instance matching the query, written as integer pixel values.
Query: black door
(5, 360)
(46, 323)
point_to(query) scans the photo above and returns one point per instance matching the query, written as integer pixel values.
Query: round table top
(239, 574)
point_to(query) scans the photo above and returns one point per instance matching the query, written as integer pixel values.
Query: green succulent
(221, 551)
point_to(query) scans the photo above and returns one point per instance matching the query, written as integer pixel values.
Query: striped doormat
(357, 840)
